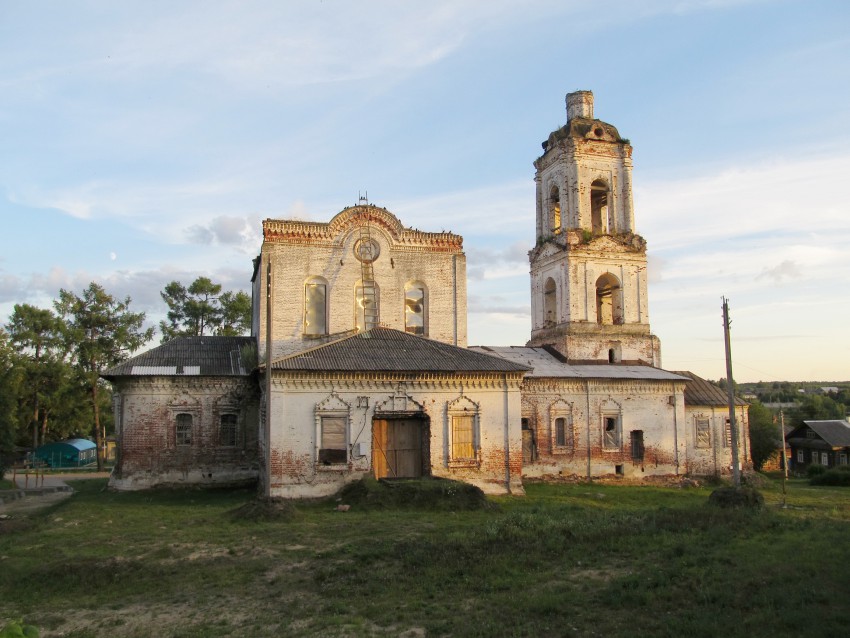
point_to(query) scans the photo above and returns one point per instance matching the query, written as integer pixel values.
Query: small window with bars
(183, 429)
(227, 433)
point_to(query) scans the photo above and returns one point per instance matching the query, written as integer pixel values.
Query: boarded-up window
(611, 433)
(227, 430)
(414, 310)
(703, 426)
(727, 438)
(183, 429)
(463, 440)
(333, 445)
(315, 309)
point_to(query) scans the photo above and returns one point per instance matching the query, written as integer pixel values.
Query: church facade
(358, 361)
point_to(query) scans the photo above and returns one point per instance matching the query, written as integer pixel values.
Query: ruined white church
(358, 363)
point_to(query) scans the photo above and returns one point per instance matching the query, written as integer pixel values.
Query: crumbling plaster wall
(716, 459)
(291, 454)
(145, 417)
(645, 406)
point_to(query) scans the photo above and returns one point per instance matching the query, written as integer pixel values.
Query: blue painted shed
(70, 453)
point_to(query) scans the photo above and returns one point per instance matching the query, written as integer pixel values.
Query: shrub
(17, 629)
(424, 494)
(815, 469)
(836, 476)
(736, 497)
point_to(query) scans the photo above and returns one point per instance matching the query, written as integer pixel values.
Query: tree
(765, 436)
(101, 332)
(816, 407)
(9, 381)
(203, 309)
(37, 335)
(235, 314)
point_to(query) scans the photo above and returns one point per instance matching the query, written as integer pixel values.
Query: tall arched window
(555, 209)
(599, 207)
(550, 314)
(366, 306)
(609, 300)
(415, 308)
(316, 306)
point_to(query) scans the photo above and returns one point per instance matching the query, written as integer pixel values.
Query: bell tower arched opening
(599, 207)
(550, 303)
(555, 209)
(609, 301)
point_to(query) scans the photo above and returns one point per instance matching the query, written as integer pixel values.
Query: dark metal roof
(388, 350)
(702, 392)
(836, 433)
(188, 356)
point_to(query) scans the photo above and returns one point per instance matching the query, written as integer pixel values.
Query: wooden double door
(400, 447)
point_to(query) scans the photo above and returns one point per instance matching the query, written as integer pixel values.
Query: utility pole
(730, 393)
(784, 459)
(267, 426)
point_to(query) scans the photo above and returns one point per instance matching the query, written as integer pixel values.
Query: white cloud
(243, 232)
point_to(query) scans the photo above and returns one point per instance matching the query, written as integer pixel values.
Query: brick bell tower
(588, 268)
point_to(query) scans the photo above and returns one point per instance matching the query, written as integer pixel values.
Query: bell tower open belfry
(588, 268)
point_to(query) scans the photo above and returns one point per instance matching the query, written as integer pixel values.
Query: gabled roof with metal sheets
(387, 350)
(702, 392)
(546, 365)
(188, 356)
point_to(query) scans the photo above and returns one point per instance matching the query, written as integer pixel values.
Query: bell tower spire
(588, 269)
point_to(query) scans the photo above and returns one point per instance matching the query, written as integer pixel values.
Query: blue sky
(145, 141)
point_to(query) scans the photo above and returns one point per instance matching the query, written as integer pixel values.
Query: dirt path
(43, 492)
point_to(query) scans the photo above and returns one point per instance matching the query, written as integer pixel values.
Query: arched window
(609, 300)
(316, 306)
(599, 207)
(415, 308)
(550, 301)
(366, 306)
(555, 209)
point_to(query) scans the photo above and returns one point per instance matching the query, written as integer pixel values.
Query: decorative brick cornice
(366, 381)
(282, 231)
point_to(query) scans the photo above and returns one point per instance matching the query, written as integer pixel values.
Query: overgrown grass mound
(736, 497)
(423, 493)
(264, 509)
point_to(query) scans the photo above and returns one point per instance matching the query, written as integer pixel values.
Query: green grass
(6, 484)
(577, 560)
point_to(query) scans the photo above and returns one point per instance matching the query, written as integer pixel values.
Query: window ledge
(464, 463)
(334, 467)
(562, 449)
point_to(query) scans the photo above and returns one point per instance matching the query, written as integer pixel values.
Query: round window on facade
(366, 250)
